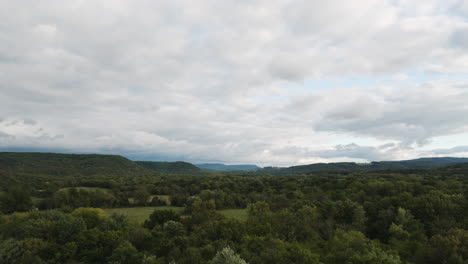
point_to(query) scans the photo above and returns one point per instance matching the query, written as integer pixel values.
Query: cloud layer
(267, 82)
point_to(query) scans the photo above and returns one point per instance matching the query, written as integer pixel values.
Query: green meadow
(140, 214)
(239, 214)
(89, 189)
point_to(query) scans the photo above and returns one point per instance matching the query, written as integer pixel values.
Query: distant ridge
(68, 164)
(53, 164)
(177, 167)
(421, 163)
(223, 167)
(460, 167)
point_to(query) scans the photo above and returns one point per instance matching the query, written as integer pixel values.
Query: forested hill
(223, 167)
(459, 167)
(422, 163)
(13, 163)
(178, 167)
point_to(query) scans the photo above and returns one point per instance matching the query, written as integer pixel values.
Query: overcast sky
(261, 81)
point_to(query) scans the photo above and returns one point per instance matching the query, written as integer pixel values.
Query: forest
(59, 208)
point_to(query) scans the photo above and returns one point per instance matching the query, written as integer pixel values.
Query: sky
(266, 82)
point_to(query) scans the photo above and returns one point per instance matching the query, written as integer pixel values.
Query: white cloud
(205, 80)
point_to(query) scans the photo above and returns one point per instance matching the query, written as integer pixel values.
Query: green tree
(451, 246)
(96, 246)
(354, 248)
(142, 195)
(259, 250)
(10, 251)
(227, 256)
(159, 217)
(91, 216)
(126, 253)
(16, 199)
(259, 217)
(173, 229)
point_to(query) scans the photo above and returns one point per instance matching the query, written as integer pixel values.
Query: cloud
(451, 151)
(461, 8)
(409, 115)
(350, 152)
(212, 80)
(5, 135)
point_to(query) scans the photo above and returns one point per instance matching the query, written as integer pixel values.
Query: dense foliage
(67, 164)
(331, 218)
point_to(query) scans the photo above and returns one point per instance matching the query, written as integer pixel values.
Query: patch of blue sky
(334, 139)
(448, 141)
(423, 77)
(410, 77)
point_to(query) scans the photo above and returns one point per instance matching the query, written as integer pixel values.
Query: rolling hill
(457, 168)
(223, 167)
(54, 164)
(422, 163)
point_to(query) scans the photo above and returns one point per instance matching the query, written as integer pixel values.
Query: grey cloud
(461, 8)
(450, 151)
(28, 121)
(408, 114)
(207, 80)
(351, 152)
(460, 38)
(5, 135)
(357, 109)
(288, 67)
(370, 153)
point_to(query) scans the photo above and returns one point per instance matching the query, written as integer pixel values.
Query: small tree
(142, 195)
(227, 256)
(159, 217)
(125, 253)
(91, 216)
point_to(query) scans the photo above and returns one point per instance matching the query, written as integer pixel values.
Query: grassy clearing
(165, 198)
(239, 214)
(36, 200)
(89, 189)
(140, 214)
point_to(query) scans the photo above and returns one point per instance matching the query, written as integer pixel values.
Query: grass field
(239, 214)
(140, 214)
(36, 200)
(165, 198)
(131, 200)
(86, 189)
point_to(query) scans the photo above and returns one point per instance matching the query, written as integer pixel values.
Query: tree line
(360, 217)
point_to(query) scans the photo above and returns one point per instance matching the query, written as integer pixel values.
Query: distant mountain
(178, 167)
(223, 167)
(422, 163)
(51, 164)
